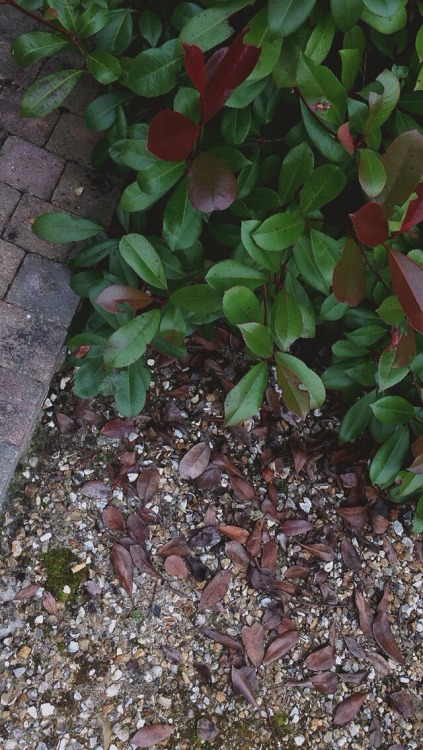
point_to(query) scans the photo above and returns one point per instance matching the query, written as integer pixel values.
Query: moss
(57, 567)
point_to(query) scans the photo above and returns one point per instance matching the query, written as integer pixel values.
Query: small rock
(16, 548)
(47, 709)
(73, 647)
(32, 711)
(24, 652)
(112, 690)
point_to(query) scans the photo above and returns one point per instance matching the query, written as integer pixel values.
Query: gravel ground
(295, 551)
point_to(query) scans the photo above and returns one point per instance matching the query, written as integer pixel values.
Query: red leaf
(148, 483)
(281, 645)
(253, 641)
(321, 551)
(365, 614)
(123, 567)
(113, 519)
(407, 280)
(242, 489)
(241, 681)
(345, 138)
(194, 66)
(349, 278)
(113, 296)
(195, 461)
(383, 636)
(239, 556)
(223, 638)
(348, 708)
(137, 528)
(370, 224)
(414, 213)
(321, 660)
(403, 166)
(234, 532)
(117, 428)
(294, 527)
(211, 184)
(215, 590)
(234, 67)
(26, 593)
(175, 566)
(326, 682)
(171, 135)
(151, 735)
(49, 603)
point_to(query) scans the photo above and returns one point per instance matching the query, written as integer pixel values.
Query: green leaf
(326, 252)
(103, 66)
(371, 172)
(331, 309)
(367, 335)
(159, 176)
(228, 273)
(278, 231)
(117, 35)
(306, 265)
(259, 35)
(357, 418)
(199, 298)
(402, 162)
(153, 72)
(48, 93)
(140, 254)
(295, 397)
(30, 47)
(133, 199)
(182, 223)
(240, 305)
(269, 261)
(187, 102)
(286, 16)
(92, 20)
(309, 380)
(381, 105)
(387, 374)
(285, 72)
(319, 86)
(320, 40)
(58, 228)
(325, 142)
(92, 253)
(131, 389)
(296, 290)
(67, 14)
(349, 276)
(286, 320)
(346, 13)
(419, 44)
(257, 338)
(418, 518)
(101, 113)
(210, 27)
(323, 185)
(295, 170)
(236, 125)
(411, 486)
(150, 27)
(385, 25)
(385, 8)
(393, 410)
(345, 349)
(90, 377)
(390, 458)
(350, 61)
(126, 345)
(390, 311)
(244, 400)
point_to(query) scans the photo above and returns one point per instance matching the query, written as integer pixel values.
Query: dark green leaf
(371, 172)
(296, 169)
(58, 228)
(199, 298)
(128, 343)
(48, 93)
(387, 374)
(393, 410)
(322, 91)
(150, 27)
(182, 223)
(240, 305)
(140, 254)
(103, 66)
(101, 113)
(286, 320)
(323, 185)
(116, 36)
(210, 27)
(159, 176)
(286, 16)
(278, 231)
(228, 273)
(244, 400)
(90, 377)
(390, 458)
(320, 40)
(30, 47)
(346, 13)
(257, 338)
(357, 418)
(236, 125)
(153, 72)
(131, 389)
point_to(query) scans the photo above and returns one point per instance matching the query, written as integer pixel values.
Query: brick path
(44, 166)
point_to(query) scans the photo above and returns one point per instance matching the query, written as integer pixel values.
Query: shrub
(273, 158)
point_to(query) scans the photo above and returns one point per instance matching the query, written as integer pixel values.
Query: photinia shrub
(272, 153)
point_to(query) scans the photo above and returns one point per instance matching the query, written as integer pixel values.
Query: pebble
(73, 647)
(47, 709)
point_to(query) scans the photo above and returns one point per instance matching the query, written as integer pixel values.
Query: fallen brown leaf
(348, 708)
(195, 461)
(151, 735)
(215, 590)
(253, 640)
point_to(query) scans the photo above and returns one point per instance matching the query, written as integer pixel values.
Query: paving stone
(9, 199)
(42, 286)
(11, 72)
(10, 259)
(35, 130)
(9, 455)
(29, 343)
(87, 192)
(20, 401)
(14, 22)
(71, 139)
(18, 229)
(85, 89)
(30, 168)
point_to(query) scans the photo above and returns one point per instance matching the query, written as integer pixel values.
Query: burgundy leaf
(253, 543)
(195, 461)
(326, 682)
(242, 490)
(141, 560)
(117, 428)
(207, 730)
(238, 554)
(211, 479)
(112, 297)
(297, 571)
(403, 161)
(195, 66)
(173, 655)
(370, 224)
(66, 425)
(345, 138)
(123, 566)
(403, 704)
(49, 603)
(234, 67)
(215, 590)
(350, 556)
(281, 646)
(348, 708)
(407, 280)
(223, 638)
(414, 213)
(321, 660)
(354, 516)
(210, 516)
(137, 529)
(175, 566)
(299, 451)
(379, 664)
(349, 278)
(113, 519)
(151, 735)
(353, 678)
(269, 555)
(365, 614)
(223, 462)
(253, 640)
(211, 184)
(294, 527)
(26, 593)
(148, 483)
(171, 135)
(177, 546)
(95, 489)
(354, 647)
(241, 682)
(321, 551)
(385, 640)
(234, 532)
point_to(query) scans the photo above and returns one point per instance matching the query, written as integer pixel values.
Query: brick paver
(18, 394)
(29, 168)
(9, 199)
(71, 139)
(11, 258)
(18, 229)
(87, 192)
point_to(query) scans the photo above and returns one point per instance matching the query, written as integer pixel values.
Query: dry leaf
(281, 645)
(321, 660)
(211, 479)
(223, 638)
(253, 543)
(379, 663)
(365, 614)
(242, 489)
(95, 489)
(215, 590)
(236, 552)
(234, 532)
(137, 528)
(326, 682)
(350, 555)
(321, 551)
(241, 682)
(26, 593)
(141, 560)
(353, 678)
(117, 428)
(66, 425)
(151, 735)
(148, 483)
(385, 640)
(403, 704)
(253, 639)
(49, 603)
(123, 566)
(113, 519)
(348, 708)
(294, 527)
(195, 461)
(175, 566)
(354, 647)
(177, 546)
(297, 571)
(269, 555)
(210, 516)
(206, 730)
(354, 516)
(298, 450)
(223, 462)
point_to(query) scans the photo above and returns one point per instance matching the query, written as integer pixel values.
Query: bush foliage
(272, 157)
